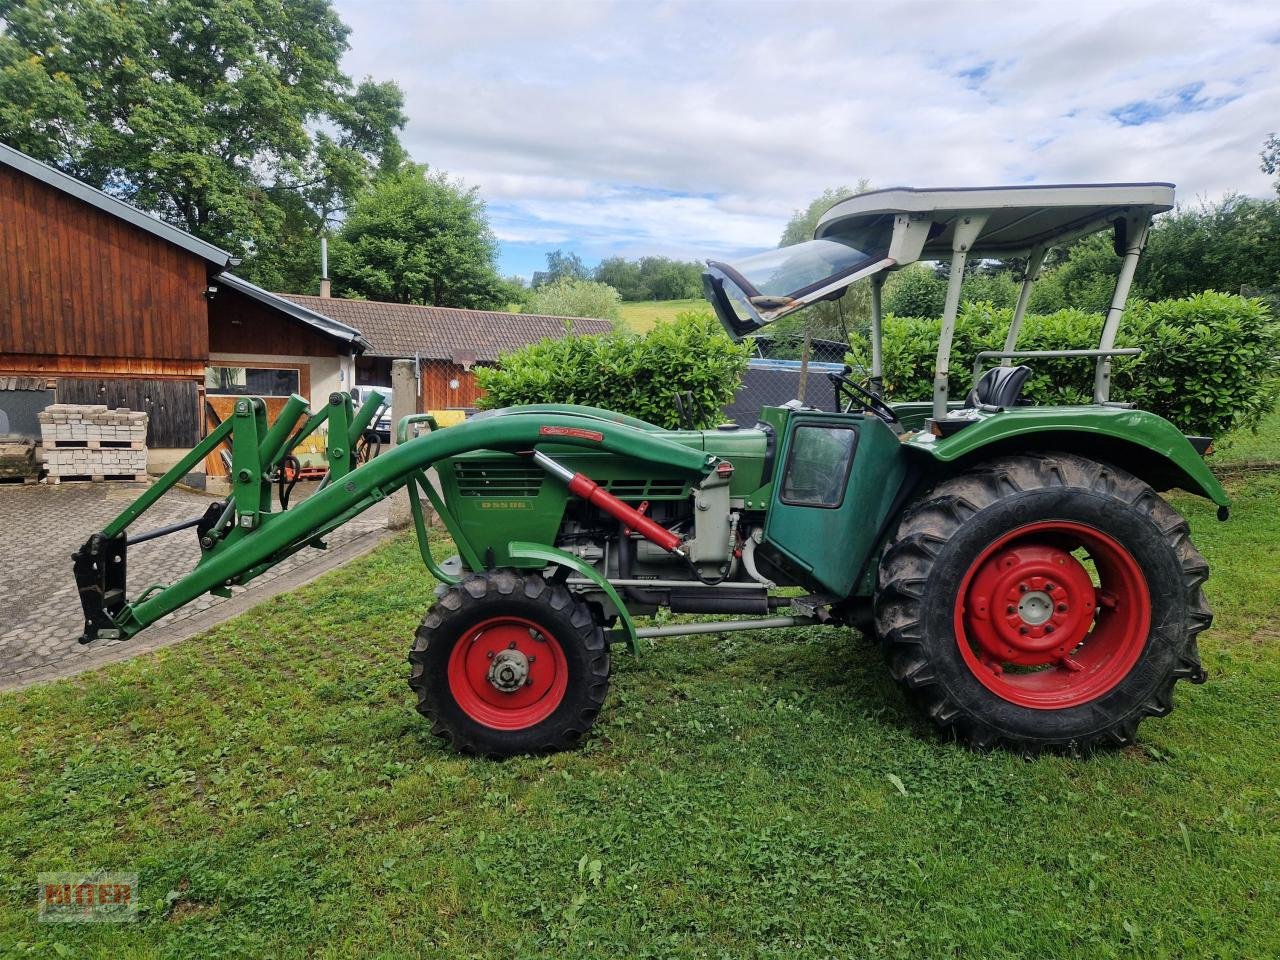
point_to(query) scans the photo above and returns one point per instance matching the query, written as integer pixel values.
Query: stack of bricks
(18, 459)
(90, 442)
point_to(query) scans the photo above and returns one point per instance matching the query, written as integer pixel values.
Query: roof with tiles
(403, 330)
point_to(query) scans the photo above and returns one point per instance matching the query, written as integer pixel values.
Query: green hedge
(638, 375)
(1210, 363)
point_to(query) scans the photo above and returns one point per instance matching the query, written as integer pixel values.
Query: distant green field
(642, 315)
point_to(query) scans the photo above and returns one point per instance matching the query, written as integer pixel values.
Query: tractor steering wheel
(862, 395)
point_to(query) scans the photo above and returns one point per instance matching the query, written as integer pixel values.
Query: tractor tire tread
(468, 599)
(928, 525)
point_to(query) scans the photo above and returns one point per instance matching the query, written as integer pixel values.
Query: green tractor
(1027, 583)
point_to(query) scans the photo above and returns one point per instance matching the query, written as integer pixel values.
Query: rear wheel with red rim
(1036, 629)
(506, 663)
(1043, 601)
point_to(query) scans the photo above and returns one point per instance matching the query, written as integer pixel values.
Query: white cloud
(697, 128)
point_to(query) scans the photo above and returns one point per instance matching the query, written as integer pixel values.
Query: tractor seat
(998, 387)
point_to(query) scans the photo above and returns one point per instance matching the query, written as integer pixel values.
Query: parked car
(381, 426)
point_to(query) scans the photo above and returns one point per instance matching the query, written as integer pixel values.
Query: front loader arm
(251, 536)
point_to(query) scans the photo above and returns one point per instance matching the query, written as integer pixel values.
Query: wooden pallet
(94, 444)
(101, 478)
(20, 480)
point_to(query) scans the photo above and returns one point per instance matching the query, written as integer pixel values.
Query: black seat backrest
(998, 387)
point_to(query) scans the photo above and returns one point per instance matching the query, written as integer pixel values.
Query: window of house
(251, 381)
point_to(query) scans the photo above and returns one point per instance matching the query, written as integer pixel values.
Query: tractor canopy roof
(882, 230)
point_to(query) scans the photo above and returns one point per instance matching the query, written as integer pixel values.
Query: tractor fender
(1143, 443)
(523, 550)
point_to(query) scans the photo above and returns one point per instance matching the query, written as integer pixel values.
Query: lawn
(744, 796)
(643, 314)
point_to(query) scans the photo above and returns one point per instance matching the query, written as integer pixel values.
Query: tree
(227, 118)
(623, 275)
(803, 222)
(562, 266)
(514, 292)
(571, 297)
(651, 278)
(1271, 157)
(832, 320)
(419, 237)
(1085, 279)
(666, 279)
(915, 291)
(1224, 246)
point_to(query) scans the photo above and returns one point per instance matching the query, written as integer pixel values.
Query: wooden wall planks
(77, 282)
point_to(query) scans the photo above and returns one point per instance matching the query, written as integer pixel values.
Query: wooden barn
(101, 303)
(449, 342)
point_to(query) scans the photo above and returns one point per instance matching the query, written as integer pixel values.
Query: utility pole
(406, 399)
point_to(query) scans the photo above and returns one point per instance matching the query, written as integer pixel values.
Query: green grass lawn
(279, 797)
(1245, 448)
(641, 315)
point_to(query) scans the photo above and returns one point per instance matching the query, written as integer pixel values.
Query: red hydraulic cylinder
(583, 486)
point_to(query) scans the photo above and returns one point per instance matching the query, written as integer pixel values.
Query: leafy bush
(1224, 246)
(638, 375)
(915, 291)
(1210, 363)
(921, 291)
(571, 297)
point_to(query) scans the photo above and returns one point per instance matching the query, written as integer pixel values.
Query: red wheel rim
(1036, 629)
(508, 673)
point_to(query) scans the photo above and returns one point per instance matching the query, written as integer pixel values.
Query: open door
(836, 480)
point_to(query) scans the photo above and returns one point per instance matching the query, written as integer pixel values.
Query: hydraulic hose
(580, 485)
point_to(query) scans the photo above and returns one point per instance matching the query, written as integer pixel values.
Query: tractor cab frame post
(1135, 237)
(1131, 231)
(877, 342)
(1029, 277)
(966, 232)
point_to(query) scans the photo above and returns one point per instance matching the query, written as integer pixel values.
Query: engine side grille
(498, 479)
(659, 488)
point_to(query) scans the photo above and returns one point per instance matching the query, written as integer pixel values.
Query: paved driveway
(41, 526)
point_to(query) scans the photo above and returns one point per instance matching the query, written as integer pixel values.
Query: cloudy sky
(695, 129)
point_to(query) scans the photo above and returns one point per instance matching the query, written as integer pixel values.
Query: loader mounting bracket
(99, 568)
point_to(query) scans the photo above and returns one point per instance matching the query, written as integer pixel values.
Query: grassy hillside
(642, 315)
(744, 795)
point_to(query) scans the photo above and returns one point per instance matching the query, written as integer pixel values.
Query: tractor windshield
(756, 290)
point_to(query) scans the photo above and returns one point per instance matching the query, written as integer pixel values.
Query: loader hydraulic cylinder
(583, 486)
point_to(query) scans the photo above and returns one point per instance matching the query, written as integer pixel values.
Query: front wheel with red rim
(1042, 601)
(506, 663)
